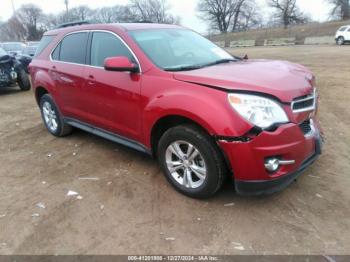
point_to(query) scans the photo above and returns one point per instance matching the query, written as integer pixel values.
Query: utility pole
(13, 7)
(66, 2)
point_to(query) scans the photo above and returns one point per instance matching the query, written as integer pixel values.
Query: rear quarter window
(44, 42)
(73, 48)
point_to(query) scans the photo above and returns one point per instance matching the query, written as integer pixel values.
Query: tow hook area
(13, 75)
(226, 139)
(250, 135)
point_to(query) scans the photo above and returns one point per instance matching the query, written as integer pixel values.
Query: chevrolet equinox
(167, 91)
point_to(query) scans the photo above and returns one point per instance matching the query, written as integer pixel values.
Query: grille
(304, 103)
(306, 127)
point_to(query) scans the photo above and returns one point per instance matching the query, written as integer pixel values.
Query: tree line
(29, 22)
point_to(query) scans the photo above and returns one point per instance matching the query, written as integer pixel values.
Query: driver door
(112, 98)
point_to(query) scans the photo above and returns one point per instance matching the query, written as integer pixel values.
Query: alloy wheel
(50, 116)
(186, 164)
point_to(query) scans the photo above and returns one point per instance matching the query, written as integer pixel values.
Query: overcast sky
(318, 9)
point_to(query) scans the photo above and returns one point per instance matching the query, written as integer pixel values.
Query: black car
(13, 70)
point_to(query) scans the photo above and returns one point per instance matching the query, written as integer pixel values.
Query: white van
(343, 35)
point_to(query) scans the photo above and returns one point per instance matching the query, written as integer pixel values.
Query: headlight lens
(259, 111)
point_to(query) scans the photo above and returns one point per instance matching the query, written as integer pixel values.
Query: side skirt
(108, 135)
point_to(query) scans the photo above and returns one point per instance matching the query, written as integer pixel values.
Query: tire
(209, 158)
(340, 40)
(50, 112)
(23, 80)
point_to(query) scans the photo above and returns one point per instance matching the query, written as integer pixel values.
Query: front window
(107, 45)
(179, 49)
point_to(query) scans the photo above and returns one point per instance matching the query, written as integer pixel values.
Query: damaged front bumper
(288, 144)
(8, 79)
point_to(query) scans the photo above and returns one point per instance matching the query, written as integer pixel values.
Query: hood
(281, 79)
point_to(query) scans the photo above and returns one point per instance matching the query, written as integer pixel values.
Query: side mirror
(120, 64)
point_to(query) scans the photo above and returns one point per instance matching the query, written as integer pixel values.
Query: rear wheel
(23, 80)
(191, 161)
(52, 118)
(340, 40)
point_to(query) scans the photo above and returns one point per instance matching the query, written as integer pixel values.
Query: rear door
(67, 70)
(112, 98)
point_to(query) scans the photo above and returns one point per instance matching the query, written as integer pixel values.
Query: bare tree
(156, 11)
(288, 12)
(13, 30)
(249, 18)
(82, 12)
(227, 15)
(30, 16)
(341, 9)
(115, 14)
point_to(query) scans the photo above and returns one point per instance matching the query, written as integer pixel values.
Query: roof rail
(72, 24)
(144, 22)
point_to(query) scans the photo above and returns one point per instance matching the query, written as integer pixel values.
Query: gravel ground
(125, 206)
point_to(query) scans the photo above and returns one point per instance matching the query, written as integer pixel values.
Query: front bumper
(288, 142)
(8, 79)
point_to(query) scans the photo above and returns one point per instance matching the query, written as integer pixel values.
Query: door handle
(91, 80)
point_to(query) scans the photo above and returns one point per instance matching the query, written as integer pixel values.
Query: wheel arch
(39, 92)
(165, 123)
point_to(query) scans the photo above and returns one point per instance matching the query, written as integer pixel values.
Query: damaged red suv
(167, 91)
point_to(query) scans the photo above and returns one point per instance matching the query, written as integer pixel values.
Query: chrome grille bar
(305, 104)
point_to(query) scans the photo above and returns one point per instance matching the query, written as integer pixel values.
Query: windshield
(2, 52)
(13, 46)
(179, 49)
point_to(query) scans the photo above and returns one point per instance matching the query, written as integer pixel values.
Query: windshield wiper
(221, 61)
(183, 68)
(194, 67)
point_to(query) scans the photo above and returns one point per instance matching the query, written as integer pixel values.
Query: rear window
(342, 29)
(44, 42)
(72, 49)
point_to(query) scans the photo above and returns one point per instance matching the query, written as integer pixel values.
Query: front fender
(207, 107)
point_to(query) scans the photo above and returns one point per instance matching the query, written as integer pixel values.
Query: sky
(185, 9)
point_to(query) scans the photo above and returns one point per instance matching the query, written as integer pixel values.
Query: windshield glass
(2, 52)
(179, 49)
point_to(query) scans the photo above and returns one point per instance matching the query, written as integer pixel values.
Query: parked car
(12, 71)
(33, 43)
(13, 48)
(343, 35)
(29, 51)
(167, 91)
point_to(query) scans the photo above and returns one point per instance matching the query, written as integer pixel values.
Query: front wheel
(23, 80)
(191, 161)
(340, 40)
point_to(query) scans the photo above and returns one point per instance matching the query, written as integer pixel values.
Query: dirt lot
(132, 209)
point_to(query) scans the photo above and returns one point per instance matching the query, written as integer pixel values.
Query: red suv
(167, 91)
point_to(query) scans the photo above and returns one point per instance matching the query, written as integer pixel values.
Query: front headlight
(259, 111)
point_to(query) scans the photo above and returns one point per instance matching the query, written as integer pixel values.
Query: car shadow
(226, 196)
(9, 90)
